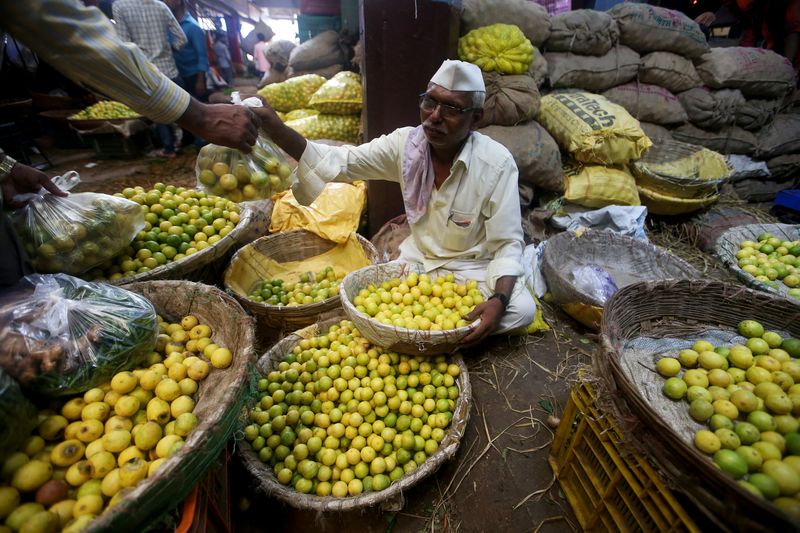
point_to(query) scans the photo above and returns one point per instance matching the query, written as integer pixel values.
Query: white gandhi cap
(459, 76)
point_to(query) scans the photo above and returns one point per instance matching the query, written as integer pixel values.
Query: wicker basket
(401, 340)
(662, 204)
(245, 270)
(206, 266)
(685, 310)
(728, 244)
(220, 399)
(652, 172)
(627, 260)
(390, 498)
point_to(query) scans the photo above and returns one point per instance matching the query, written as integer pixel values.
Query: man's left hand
(23, 180)
(490, 312)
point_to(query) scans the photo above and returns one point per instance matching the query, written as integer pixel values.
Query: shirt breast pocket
(460, 230)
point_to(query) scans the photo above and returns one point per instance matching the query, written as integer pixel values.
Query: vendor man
(459, 190)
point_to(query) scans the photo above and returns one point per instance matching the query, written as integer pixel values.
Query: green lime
(731, 462)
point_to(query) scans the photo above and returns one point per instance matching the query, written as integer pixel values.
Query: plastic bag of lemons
(293, 93)
(333, 127)
(299, 113)
(340, 95)
(497, 48)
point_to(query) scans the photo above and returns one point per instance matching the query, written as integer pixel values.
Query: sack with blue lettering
(592, 129)
(647, 28)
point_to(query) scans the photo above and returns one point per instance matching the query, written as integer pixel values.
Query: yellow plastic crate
(606, 490)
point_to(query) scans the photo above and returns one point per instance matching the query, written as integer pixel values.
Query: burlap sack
(273, 76)
(509, 99)
(327, 72)
(592, 73)
(655, 132)
(784, 167)
(322, 51)
(711, 110)
(535, 152)
(781, 136)
(648, 102)
(531, 18)
(668, 70)
(647, 28)
(730, 140)
(761, 190)
(755, 114)
(583, 31)
(278, 54)
(538, 68)
(757, 72)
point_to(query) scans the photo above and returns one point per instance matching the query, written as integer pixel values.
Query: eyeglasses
(429, 104)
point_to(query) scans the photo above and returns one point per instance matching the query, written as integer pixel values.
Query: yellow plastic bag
(592, 129)
(340, 95)
(596, 186)
(297, 114)
(497, 48)
(333, 215)
(333, 127)
(293, 93)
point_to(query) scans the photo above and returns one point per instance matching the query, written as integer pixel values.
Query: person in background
(260, 55)
(223, 55)
(192, 59)
(459, 190)
(81, 43)
(152, 27)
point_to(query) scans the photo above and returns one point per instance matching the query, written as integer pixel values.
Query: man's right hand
(228, 125)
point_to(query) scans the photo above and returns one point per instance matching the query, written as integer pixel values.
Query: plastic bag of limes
(293, 93)
(236, 176)
(340, 95)
(334, 127)
(497, 48)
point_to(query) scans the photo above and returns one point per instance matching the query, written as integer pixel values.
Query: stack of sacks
(667, 42)
(318, 108)
(512, 71)
(601, 139)
(278, 53)
(324, 55)
(744, 112)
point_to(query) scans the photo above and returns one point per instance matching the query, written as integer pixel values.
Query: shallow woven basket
(626, 259)
(671, 184)
(390, 498)
(283, 247)
(662, 204)
(728, 244)
(689, 310)
(401, 340)
(220, 399)
(206, 266)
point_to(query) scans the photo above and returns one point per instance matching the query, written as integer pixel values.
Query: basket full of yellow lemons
(306, 446)
(399, 307)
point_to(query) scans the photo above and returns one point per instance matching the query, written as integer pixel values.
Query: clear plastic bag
(594, 281)
(76, 233)
(299, 113)
(340, 95)
(334, 127)
(17, 415)
(62, 335)
(239, 177)
(293, 93)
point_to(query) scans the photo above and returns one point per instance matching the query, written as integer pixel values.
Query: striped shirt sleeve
(83, 45)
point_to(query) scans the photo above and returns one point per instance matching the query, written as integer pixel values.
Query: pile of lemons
(311, 288)
(772, 261)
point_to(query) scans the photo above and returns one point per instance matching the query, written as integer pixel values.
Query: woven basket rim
(265, 478)
(284, 310)
(210, 431)
(422, 339)
(196, 260)
(660, 152)
(553, 268)
(726, 247)
(664, 299)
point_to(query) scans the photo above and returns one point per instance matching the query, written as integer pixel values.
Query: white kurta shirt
(472, 219)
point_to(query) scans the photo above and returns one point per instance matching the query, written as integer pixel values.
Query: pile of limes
(339, 416)
(311, 288)
(418, 302)
(749, 396)
(179, 222)
(772, 261)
